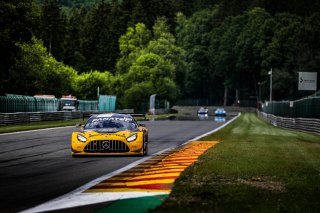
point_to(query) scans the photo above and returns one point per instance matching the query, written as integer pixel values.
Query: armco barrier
(304, 124)
(27, 117)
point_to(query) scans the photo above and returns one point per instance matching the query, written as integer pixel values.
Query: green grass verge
(256, 167)
(38, 125)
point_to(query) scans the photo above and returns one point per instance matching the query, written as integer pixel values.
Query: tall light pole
(259, 93)
(270, 73)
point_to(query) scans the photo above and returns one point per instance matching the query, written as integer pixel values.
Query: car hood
(121, 134)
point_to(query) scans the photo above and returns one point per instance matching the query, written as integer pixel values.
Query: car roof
(113, 115)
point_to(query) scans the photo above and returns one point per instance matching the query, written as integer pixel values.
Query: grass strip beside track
(256, 167)
(38, 125)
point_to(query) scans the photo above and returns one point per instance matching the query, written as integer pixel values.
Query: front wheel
(145, 146)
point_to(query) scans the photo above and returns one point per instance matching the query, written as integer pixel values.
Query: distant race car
(220, 112)
(203, 111)
(113, 134)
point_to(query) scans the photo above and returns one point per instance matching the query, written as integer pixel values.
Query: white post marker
(270, 73)
(152, 104)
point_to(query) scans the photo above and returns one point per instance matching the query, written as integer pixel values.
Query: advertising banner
(307, 81)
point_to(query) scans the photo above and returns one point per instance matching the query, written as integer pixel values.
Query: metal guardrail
(304, 124)
(28, 117)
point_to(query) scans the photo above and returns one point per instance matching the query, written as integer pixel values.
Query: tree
(255, 36)
(18, 19)
(72, 55)
(85, 85)
(151, 62)
(138, 14)
(94, 35)
(193, 35)
(131, 45)
(53, 28)
(223, 57)
(40, 73)
(164, 45)
(137, 95)
(282, 53)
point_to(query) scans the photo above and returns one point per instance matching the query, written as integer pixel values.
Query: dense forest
(219, 51)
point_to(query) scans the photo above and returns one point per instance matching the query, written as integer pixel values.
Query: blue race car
(220, 112)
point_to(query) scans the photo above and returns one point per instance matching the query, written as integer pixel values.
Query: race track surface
(37, 166)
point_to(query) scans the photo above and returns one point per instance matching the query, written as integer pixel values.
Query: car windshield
(202, 110)
(110, 124)
(68, 102)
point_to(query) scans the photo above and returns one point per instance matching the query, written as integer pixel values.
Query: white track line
(77, 198)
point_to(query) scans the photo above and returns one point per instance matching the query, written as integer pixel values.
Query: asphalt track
(37, 166)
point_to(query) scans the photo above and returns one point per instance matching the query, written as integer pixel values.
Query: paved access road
(37, 166)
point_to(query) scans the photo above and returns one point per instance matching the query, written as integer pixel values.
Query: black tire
(145, 145)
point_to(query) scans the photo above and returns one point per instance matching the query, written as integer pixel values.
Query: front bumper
(107, 146)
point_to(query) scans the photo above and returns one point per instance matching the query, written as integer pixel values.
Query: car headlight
(132, 138)
(81, 138)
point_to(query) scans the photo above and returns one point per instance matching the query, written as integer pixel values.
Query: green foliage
(138, 94)
(282, 54)
(217, 45)
(242, 49)
(58, 77)
(40, 73)
(255, 167)
(131, 46)
(72, 49)
(76, 3)
(150, 62)
(18, 19)
(309, 53)
(85, 85)
(53, 28)
(193, 36)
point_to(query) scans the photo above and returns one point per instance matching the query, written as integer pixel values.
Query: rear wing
(89, 114)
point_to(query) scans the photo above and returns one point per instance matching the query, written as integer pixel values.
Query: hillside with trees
(218, 51)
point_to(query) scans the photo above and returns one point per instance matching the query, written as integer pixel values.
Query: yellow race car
(113, 134)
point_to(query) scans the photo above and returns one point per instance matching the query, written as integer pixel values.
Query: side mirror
(142, 125)
(79, 125)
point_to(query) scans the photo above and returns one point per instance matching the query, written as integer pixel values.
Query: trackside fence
(304, 124)
(21, 103)
(303, 108)
(88, 105)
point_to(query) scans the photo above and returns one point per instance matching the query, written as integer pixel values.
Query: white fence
(304, 124)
